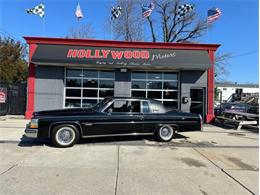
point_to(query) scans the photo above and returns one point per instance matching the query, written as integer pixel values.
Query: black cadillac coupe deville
(111, 117)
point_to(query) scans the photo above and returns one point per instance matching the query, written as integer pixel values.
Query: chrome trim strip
(123, 134)
(135, 122)
(31, 133)
(88, 124)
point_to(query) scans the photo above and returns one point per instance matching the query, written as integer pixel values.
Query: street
(214, 161)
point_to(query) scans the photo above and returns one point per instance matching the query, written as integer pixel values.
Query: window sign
(3, 95)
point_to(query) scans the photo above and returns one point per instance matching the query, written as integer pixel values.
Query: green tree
(13, 67)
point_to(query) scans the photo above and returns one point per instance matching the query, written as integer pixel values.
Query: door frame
(204, 101)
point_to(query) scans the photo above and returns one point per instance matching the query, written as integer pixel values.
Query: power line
(245, 54)
(4, 32)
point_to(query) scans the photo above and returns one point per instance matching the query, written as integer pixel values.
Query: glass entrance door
(197, 101)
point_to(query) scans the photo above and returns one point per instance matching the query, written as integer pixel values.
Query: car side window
(157, 107)
(146, 108)
(135, 106)
(118, 106)
(124, 106)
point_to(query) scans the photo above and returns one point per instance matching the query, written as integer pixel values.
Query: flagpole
(143, 23)
(43, 27)
(207, 32)
(111, 29)
(111, 24)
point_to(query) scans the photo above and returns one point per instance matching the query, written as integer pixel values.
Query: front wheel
(64, 136)
(165, 133)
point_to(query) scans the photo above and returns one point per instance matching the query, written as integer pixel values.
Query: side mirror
(110, 110)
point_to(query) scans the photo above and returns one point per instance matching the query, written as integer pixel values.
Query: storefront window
(155, 94)
(73, 92)
(170, 76)
(106, 83)
(73, 82)
(88, 102)
(106, 74)
(154, 85)
(170, 85)
(90, 73)
(91, 83)
(85, 88)
(154, 76)
(139, 94)
(105, 93)
(74, 73)
(90, 92)
(162, 86)
(138, 85)
(138, 75)
(170, 95)
(72, 103)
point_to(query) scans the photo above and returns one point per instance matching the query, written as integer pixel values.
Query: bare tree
(128, 26)
(186, 28)
(221, 63)
(82, 31)
(163, 23)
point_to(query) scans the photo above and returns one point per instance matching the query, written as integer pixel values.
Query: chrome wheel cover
(166, 132)
(65, 136)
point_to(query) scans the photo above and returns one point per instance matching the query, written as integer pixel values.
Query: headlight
(34, 123)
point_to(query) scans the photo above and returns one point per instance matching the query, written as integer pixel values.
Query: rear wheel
(165, 133)
(64, 136)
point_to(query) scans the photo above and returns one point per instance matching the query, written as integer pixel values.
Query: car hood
(65, 112)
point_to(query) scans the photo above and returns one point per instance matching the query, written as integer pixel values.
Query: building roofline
(236, 85)
(112, 43)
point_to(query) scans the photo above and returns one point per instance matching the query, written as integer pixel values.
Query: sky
(237, 30)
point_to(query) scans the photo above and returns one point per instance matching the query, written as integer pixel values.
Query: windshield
(100, 105)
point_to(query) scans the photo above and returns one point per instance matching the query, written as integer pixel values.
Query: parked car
(111, 117)
(236, 107)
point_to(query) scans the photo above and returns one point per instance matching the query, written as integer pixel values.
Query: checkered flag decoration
(116, 12)
(184, 9)
(38, 10)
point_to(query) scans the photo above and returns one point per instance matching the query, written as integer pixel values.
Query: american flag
(147, 10)
(213, 14)
(78, 12)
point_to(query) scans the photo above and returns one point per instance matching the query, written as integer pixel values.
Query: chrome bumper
(31, 133)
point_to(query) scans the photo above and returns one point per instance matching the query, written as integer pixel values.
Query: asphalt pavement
(213, 161)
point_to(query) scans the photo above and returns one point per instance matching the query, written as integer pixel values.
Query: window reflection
(90, 83)
(74, 73)
(89, 103)
(90, 93)
(73, 82)
(156, 85)
(105, 93)
(90, 73)
(94, 85)
(73, 92)
(72, 103)
(155, 76)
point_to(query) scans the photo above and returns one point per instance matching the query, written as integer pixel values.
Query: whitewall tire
(165, 133)
(64, 136)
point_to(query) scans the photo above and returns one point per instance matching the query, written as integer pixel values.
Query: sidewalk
(215, 161)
